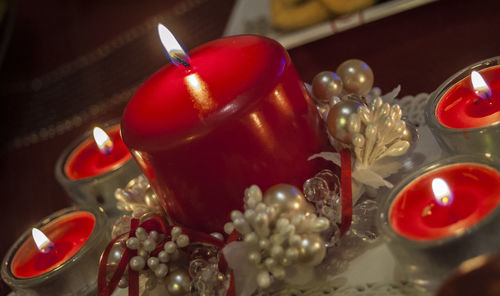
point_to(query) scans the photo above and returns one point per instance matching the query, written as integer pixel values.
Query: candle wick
(48, 249)
(183, 62)
(483, 95)
(107, 150)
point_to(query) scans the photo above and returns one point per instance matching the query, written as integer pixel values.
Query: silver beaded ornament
(377, 131)
(280, 230)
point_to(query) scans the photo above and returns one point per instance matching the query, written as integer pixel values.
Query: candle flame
(42, 242)
(481, 89)
(102, 140)
(175, 52)
(442, 192)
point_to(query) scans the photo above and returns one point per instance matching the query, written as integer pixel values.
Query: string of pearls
(279, 229)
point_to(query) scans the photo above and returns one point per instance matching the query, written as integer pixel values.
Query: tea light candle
(92, 167)
(445, 201)
(231, 114)
(60, 257)
(464, 111)
(99, 155)
(442, 215)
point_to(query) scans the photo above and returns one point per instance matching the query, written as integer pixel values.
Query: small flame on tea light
(442, 192)
(102, 140)
(43, 243)
(175, 52)
(481, 89)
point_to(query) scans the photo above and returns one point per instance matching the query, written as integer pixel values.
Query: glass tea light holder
(59, 255)
(464, 112)
(92, 167)
(441, 215)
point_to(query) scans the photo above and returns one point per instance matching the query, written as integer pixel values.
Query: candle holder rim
(97, 234)
(435, 96)
(389, 234)
(61, 161)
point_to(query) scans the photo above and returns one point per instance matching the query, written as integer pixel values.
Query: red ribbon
(106, 289)
(154, 223)
(346, 183)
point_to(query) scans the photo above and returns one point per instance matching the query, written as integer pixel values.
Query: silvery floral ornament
(281, 237)
(375, 133)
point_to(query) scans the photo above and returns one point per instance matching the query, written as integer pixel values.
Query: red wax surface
(68, 233)
(461, 108)
(88, 161)
(240, 116)
(475, 191)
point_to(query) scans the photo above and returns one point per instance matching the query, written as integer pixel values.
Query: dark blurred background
(68, 65)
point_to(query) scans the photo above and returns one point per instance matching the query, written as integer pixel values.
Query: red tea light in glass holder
(232, 113)
(442, 215)
(59, 255)
(92, 167)
(464, 112)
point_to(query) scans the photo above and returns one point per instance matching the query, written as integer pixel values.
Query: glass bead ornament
(207, 280)
(364, 220)
(323, 191)
(137, 196)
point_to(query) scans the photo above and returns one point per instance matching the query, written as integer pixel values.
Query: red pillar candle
(238, 115)
(87, 160)
(461, 107)
(420, 213)
(67, 233)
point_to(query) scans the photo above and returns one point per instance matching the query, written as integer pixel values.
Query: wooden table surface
(66, 84)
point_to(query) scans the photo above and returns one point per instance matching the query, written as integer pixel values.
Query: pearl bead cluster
(352, 76)
(373, 129)
(145, 243)
(377, 131)
(279, 230)
(385, 132)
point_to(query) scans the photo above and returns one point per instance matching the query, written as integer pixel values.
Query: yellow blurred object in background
(297, 14)
(347, 6)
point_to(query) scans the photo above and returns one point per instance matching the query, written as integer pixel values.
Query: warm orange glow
(261, 130)
(42, 242)
(102, 140)
(200, 94)
(281, 102)
(442, 192)
(175, 52)
(481, 89)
